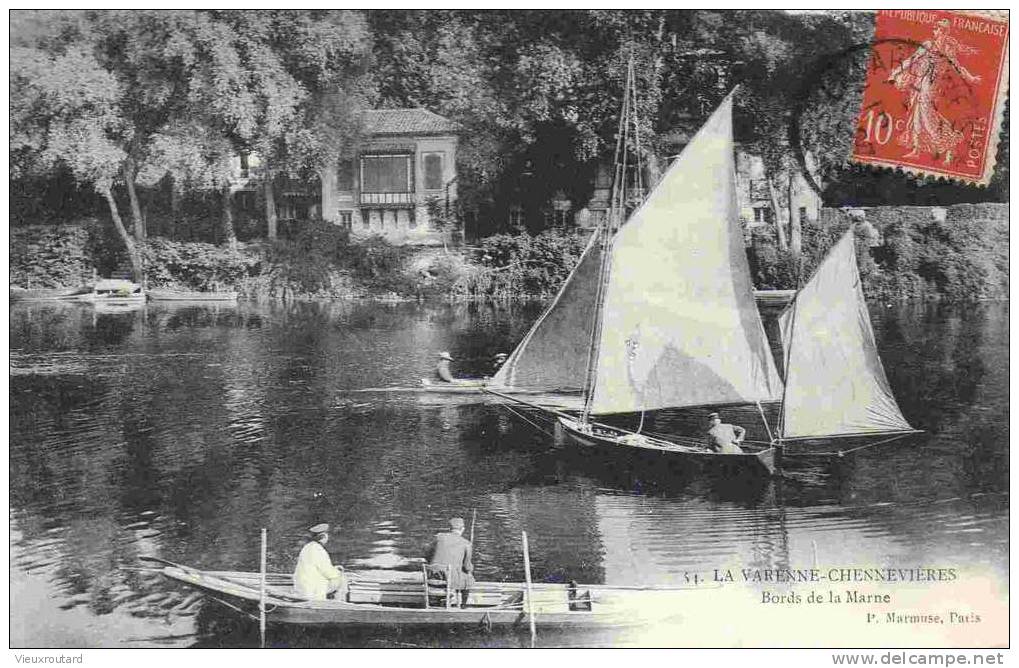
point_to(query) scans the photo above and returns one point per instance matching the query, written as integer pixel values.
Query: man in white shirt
(315, 577)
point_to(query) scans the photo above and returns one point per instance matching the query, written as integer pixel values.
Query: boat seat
(438, 584)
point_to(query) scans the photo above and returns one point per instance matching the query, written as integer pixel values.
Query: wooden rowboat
(390, 598)
(755, 460)
(182, 296)
(777, 299)
(50, 294)
(464, 386)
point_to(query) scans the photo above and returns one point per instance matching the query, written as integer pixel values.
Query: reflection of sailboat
(662, 315)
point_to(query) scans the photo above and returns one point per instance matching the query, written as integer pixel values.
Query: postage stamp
(935, 91)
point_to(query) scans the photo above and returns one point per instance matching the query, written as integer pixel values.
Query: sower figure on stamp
(452, 549)
(724, 438)
(921, 75)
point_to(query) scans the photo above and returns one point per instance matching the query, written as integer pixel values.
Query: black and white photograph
(508, 329)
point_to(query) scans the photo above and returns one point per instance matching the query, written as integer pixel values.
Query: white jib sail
(835, 384)
(679, 322)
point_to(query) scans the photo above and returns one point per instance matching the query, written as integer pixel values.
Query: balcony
(394, 200)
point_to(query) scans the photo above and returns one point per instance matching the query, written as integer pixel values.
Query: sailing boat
(662, 315)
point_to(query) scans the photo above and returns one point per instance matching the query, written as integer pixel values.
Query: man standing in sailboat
(724, 438)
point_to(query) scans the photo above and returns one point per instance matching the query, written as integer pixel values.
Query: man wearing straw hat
(315, 577)
(453, 550)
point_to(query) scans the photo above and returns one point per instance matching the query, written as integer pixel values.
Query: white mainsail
(835, 383)
(554, 354)
(679, 323)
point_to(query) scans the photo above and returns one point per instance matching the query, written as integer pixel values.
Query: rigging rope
(527, 420)
(842, 453)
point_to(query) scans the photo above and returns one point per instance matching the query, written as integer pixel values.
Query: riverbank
(957, 253)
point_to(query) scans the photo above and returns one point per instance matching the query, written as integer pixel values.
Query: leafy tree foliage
(124, 100)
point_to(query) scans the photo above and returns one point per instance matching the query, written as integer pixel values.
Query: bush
(962, 256)
(193, 265)
(519, 265)
(374, 260)
(44, 256)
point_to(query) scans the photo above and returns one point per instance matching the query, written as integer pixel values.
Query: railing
(406, 199)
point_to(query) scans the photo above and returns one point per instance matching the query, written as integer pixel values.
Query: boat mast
(606, 229)
(788, 353)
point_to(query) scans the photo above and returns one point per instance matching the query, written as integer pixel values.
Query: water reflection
(181, 431)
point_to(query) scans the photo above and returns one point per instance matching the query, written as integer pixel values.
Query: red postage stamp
(935, 91)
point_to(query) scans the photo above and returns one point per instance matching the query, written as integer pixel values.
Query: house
(404, 166)
(753, 193)
(403, 170)
(792, 193)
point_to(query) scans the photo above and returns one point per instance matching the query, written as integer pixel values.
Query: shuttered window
(433, 171)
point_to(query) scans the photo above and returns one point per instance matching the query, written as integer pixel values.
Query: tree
(65, 111)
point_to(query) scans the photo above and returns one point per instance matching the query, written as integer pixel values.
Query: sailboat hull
(611, 442)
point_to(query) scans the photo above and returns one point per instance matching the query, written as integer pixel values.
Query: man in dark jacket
(453, 550)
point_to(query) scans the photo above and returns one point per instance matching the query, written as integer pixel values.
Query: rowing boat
(384, 598)
(464, 386)
(181, 296)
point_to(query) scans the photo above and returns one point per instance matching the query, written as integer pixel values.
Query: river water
(180, 432)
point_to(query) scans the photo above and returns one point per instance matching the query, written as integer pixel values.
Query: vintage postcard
(399, 329)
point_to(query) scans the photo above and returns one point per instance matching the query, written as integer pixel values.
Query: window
(762, 214)
(759, 189)
(433, 171)
(244, 165)
(803, 214)
(345, 175)
(516, 217)
(366, 215)
(346, 219)
(245, 201)
(386, 174)
(291, 208)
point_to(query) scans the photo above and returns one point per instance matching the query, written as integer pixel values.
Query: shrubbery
(193, 265)
(521, 266)
(49, 256)
(962, 256)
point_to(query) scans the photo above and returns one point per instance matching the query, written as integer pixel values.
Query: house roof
(406, 122)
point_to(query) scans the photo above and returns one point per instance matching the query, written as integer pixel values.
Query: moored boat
(459, 386)
(391, 598)
(186, 296)
(775, 299)
(49, 294)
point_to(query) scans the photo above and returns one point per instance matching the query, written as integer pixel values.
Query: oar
(165, 562)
